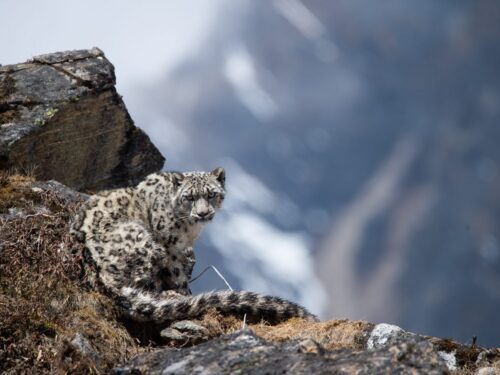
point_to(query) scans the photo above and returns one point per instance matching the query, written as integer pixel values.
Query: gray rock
(83, 346)
(245, 353)
(384, 335)
(60, 116)
(64, 193)
(171, 334)
(185, 330)
(69, 195)
(189, 326)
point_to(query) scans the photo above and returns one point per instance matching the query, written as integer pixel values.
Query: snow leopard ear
(220, 175)
(177, 179)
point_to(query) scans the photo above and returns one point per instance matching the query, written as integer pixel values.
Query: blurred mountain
(360, 140)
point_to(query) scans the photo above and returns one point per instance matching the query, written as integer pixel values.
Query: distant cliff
(374, 128)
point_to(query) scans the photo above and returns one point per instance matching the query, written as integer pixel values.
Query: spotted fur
(141, 243)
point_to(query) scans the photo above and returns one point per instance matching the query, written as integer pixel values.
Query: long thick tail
(142, 306)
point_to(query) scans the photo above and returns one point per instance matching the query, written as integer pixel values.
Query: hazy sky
(143, 39)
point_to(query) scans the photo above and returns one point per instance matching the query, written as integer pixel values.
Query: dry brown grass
(14, 191)
(44, 297)
(332, 334)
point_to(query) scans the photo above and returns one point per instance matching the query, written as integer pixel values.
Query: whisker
(181, 218)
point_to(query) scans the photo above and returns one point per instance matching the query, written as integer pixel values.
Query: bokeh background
(360, 139)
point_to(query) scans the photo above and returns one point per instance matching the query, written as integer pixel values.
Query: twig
(243, 326)
(40, 214)
(474, 341)
(217, 272)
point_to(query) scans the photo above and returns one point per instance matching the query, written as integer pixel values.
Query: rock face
(245, 353)
(61, 117)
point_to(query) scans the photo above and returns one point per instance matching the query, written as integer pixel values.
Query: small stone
(172, 334)
(185, 330)
(189, 326)
(308, 345)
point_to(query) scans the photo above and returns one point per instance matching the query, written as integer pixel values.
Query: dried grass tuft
(332, 334)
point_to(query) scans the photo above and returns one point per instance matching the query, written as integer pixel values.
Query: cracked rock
(62, 119)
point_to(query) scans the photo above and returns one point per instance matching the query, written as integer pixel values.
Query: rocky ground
(52, 321)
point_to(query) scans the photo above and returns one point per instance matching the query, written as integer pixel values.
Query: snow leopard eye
(211, 194)
(189, 197)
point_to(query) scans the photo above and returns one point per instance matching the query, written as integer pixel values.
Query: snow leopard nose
(203, 213)
(203, 210)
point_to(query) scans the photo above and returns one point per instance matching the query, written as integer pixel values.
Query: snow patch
(310, 26)
(240, 72)
(267, 259)
(283, 253)
(301, 17)
(246, 189)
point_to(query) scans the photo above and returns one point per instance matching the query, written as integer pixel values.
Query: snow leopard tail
(142, 306)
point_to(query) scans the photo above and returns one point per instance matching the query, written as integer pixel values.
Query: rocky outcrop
(345, 347)
(245, 353)
(61, 118)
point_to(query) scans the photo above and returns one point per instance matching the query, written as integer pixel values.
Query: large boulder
(61, 118)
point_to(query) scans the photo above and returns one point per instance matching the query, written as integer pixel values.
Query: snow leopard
(140, 241)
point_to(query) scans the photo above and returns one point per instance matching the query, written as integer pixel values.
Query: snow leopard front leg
(182, 272)
(173, 234)
(176, 264)
(127, 255)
